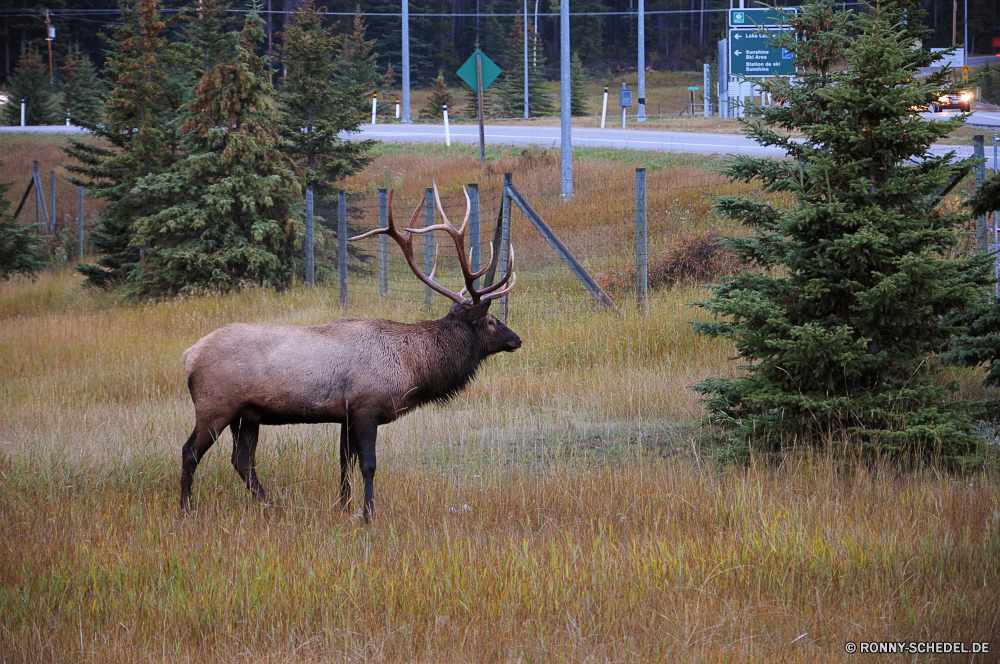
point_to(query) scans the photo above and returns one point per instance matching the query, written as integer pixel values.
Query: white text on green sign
(751, 54)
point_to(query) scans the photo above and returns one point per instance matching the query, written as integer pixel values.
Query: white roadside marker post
(374, 105)
(447, 131)
(604, 108)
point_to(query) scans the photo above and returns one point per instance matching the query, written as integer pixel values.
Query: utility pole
(641, 115)
(534, 62)
(954, 22)
(965, 44)
(566, 141)
(406, 61)
(50, 34)
(525, 59)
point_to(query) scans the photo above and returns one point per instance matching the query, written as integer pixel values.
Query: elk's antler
(405, 242)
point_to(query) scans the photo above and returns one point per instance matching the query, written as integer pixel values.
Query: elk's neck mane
(444, 358)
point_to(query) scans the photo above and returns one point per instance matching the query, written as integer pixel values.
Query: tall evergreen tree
(357, 67)
(508, 99)
(20, 245)
(140, 131)
(577, 91)
(222, 215)
(318, 101)
(82, 91)
(30, 82)
(316, 107)
(385, 24)
(440, 96)
(209, 37)
(979, 342)
(837, 328)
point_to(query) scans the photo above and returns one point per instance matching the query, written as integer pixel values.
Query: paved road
(630, 139)
(634, 139)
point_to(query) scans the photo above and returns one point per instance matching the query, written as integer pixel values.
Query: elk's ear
(474, 312)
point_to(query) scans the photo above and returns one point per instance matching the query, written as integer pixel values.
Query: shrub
(700, 257)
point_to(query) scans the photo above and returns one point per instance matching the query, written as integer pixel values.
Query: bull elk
(357, 372)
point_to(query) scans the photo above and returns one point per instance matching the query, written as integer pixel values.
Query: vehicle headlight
(966, 96)
(943, 99)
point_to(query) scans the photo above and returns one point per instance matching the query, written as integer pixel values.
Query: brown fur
(360, 373)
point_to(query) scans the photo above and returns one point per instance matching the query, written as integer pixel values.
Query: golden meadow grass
(560, 509)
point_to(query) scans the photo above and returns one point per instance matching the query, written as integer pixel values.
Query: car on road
(960, 100)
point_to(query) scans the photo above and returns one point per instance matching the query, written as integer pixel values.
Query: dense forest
(679, 33)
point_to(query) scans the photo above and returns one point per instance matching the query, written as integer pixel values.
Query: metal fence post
(310, 254)
(641, 269)
(79, 223)
(508, 180)
(383, 244)
(428, 244)
(474, 227)
(39, 199)
(979, 152)
(342, 244)
(52, 214)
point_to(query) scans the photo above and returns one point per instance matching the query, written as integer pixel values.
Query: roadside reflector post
(604, 107)
(374, 105)
(447, 131)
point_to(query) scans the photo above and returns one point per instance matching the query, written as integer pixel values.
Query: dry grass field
(561, 509)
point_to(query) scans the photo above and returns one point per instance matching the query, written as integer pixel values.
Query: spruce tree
(508, 100)
(357, 68)
(30, 82)
(440, 96)
(20, 245)
(316, 108)
(83, 93)
(222, 215)
(140, 131)
(979, 342)
(577, 93)
(837, 327)
(209, 38)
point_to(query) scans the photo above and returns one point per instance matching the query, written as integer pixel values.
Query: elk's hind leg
(245, 433)
(362, 432)
(347, 459)
(194, 449)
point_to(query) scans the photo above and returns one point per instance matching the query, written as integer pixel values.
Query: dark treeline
(679, 33)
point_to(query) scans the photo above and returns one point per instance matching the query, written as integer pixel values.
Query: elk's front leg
(347, 458)
(361, 433)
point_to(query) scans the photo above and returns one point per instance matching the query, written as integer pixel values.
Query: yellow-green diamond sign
(467, 72)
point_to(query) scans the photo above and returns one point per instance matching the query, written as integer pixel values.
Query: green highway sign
(694, 88)
(467, 72)
(760, 18)
(751, 54)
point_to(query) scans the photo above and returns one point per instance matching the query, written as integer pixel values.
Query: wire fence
(598, 226)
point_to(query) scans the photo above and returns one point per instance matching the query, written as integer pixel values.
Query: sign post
(479, 72)
(624, 100)
(692, 89)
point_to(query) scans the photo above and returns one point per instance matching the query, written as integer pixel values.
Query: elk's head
(471, 303)
(490, 334)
